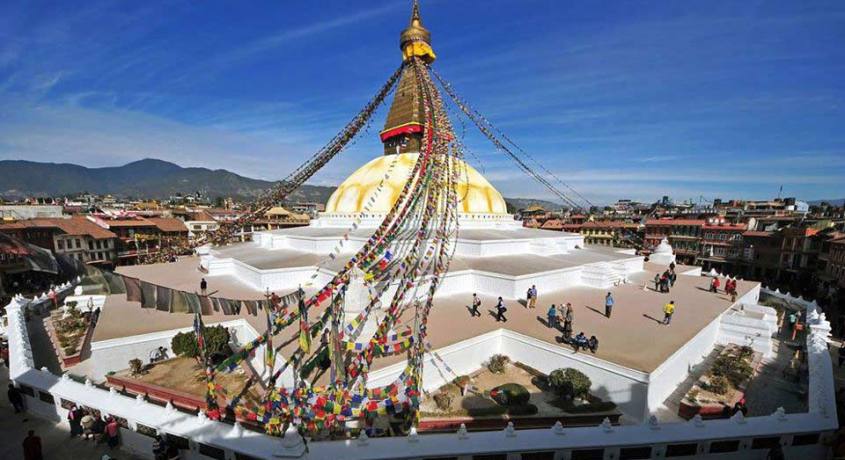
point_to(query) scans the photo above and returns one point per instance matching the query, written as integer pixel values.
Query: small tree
(136, 366)
(497, 364)
(216, 341)
(570, 383)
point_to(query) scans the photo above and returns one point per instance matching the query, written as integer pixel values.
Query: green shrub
(510, 394)
(570, 383)
(718, 385)
(497, 364)
(216, 341)
(745, 351)
(69, 350)
(443, 401)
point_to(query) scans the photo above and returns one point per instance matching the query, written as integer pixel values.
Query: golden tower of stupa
(402, 136)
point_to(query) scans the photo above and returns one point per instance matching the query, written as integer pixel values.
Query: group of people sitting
(568, 314)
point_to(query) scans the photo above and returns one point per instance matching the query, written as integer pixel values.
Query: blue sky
(629, 99)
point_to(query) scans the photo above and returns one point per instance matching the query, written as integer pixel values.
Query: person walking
(668, 311)
(476, 303)
(15, 398)
(203, 286)
(608, 304)
(672, 276)
(500, 311)
(657, 282)
(714, 285)
(531, 296)
(552, 316)
(32, 447)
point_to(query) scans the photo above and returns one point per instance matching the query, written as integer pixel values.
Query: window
(765, 443)
(681, 450)
(78, 244)
(212, 452)
(632, 453)
(717, 447)
(588, 454)
(60, 244)
(46, 397)
(805, 439)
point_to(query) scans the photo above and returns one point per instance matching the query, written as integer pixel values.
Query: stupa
(493, 252)
(663, 254)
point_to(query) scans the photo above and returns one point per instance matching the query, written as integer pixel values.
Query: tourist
(476, 303)
(112, 433)
(672, 276)
(74, 416)
(608, 304)
(664, 282)
(16, 398)
(792, 318)
(568, 317)
(160, 446)
(203, 286)
(531, 296)
(714, 285)
(593, 344)
(99, 429)
(552, 316)
(500, 311)
(668, 311)
(87, 423)
(32, 447)
(580, 342)
(656, 282)
(672, 267)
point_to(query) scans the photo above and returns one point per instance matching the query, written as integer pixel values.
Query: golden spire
(415, 40)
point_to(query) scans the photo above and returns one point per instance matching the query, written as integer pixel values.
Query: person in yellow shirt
(668, 310)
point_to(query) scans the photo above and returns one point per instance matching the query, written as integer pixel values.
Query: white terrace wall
(109, 355)
(802, 435)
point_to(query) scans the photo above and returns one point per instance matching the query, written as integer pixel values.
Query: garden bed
(723, 385)
(69, 334)
(180, 381)
(531, 402)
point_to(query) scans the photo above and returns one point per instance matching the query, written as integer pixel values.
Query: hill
(147, 178)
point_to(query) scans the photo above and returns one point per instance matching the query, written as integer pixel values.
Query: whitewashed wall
(113, 354)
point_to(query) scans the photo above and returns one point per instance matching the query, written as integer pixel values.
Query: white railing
(802, 435)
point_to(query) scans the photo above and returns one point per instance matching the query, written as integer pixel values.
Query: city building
(721, 245)
(684, 235)
(78, 237)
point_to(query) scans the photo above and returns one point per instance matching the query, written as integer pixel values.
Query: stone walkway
(55, 442)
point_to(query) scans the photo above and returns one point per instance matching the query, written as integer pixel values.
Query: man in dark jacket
(15, 398)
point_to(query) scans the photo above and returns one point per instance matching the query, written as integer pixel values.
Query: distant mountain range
(147, 178)
(156, 179)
